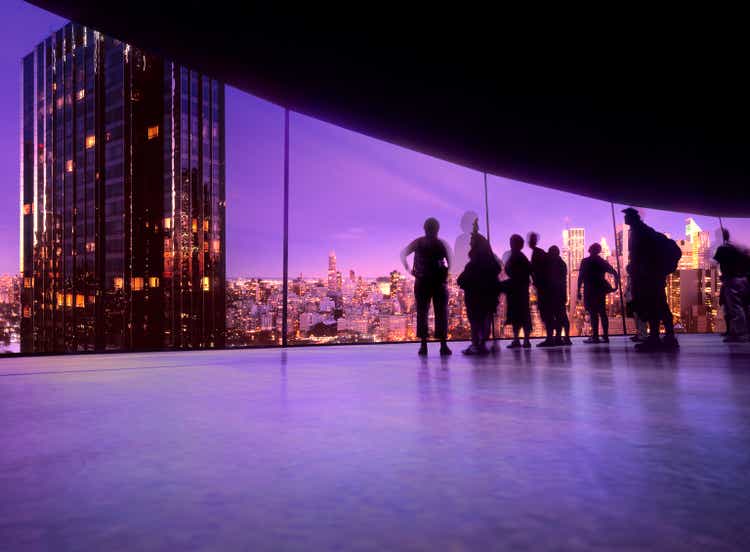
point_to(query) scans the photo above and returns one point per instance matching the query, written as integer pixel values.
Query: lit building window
(28, 208)
(205, 247)
(81, 94)
(167, 223)
(80, 301)
(90, 247)
(69, 165)
(195, 225)
(27, 312)
(92, 299)
(59, 299)
(205, 225)
(59, 103)
(68, 299)
(28, 282)
(153, 282)
(90, 141)
(205, 283)
(153, 132)
(136, 283)
(118, 282)
(217, 246)
(54, 86)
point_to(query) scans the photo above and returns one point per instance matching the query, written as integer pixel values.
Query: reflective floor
(371, 448)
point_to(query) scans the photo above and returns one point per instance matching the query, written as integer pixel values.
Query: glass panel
(355, 203)
(255, 211)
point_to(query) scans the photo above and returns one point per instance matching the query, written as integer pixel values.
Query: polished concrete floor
(372, 448)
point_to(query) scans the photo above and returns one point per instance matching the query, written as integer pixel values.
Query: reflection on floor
(372, 448)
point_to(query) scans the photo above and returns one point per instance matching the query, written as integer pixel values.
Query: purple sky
(363, 198)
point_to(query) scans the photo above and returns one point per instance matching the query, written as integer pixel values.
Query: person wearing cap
(592, 276)
(432, 261)
(648, 283)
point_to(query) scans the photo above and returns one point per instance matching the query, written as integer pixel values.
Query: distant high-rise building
(574, 247)
(606, 252)
(700, 244)
(122, 199)
(332, 271)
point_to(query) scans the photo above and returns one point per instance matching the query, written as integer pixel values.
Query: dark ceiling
(653, 114)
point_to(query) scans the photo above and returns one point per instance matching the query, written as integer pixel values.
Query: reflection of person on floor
(481, 286)
(557, 281)
(592, 276)
(540, 278)
(518, 269)
(432, 260)
(734, 263)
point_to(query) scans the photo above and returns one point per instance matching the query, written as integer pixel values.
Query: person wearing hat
(432, 261)
(592, 276)
(648, 282)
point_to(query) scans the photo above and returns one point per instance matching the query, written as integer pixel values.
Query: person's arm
(581, 272)
(613, 272)
(405, 252)
(448, 254)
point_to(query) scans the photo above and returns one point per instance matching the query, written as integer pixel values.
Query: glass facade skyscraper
(122, 199)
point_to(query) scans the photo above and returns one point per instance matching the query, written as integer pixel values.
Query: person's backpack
(669, 253)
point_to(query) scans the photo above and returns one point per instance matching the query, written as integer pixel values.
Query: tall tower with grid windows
(122, 199)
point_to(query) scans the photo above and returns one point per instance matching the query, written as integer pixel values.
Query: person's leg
(440, 306)
(422, 299)
(605, 321)
(516, 333)
(734, 301)
(594, 314)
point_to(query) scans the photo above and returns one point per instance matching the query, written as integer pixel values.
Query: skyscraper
(332, 272)
(122, 199)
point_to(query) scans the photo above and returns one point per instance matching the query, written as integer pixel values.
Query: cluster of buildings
(346, 308)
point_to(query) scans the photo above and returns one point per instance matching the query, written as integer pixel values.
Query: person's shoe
(547, 343)
(422, 349)
(566, 341)
(735, 339)
(515, 344)
(651, 345)
(605, 339)
(526, 344)
(470, 350)
(445, 351)
(591, 340)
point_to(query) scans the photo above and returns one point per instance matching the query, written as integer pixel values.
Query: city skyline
(360, 196)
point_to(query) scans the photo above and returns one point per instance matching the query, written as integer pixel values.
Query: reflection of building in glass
(122, 225)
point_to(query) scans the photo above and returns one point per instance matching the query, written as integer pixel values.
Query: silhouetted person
(540, 279)
(432, 260)
(592, 276)
(652, 259)
(481, 286)
(518, 269)
(557, 281)
(734, 263)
